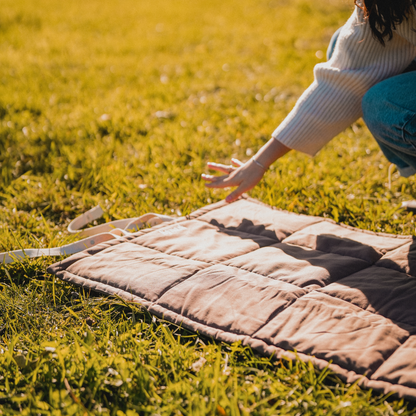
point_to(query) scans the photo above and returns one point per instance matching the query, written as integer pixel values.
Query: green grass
(122, 103)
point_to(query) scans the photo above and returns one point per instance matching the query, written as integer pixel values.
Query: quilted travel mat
(279, 282)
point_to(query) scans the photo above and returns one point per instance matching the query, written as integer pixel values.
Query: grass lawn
(122, 103)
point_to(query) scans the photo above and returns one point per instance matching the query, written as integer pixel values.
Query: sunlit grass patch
(71, 352)
(122, 104)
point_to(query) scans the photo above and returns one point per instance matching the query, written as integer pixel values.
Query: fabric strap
(95, 235)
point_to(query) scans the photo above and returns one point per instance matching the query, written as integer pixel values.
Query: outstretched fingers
(220, 167)
(230, 179)
(237, 163)
(212, 178)
(243, 176)
(218, 181)
(237, 193)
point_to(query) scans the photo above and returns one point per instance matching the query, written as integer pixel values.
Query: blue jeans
(389, 110)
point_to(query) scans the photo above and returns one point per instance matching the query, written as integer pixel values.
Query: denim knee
(389, 108)
(373, 105)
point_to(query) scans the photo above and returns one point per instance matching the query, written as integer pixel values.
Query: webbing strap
(128, 224)
(96, 235)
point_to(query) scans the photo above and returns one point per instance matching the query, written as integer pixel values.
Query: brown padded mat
(277, 281)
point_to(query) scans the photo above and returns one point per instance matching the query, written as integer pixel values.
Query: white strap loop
(100, 233)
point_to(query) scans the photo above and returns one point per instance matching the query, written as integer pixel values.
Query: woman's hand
(243, 175)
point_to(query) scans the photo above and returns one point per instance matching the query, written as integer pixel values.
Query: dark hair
(384, 15)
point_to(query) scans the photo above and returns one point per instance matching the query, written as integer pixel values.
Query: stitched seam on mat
(311, 249)
(337, 254)
(283, 281)
(401, 245)
(201, 322)
(374, 371)
(167, 254)
(211, 263)
(242, 232)
(390, 268)
(273, 209)
(262, 275)
(404, 237)
(363, 375)
(255, 201)
(252, 200)
(392, 353)
(366, 310)
(350, 227)
(221, 263)
(265, 323)
(97, 282)
(235, 230)
(349, 303)
(203, 261)
(382, 251)
(219, 229)
(328, 220)
(260, 235)
(179, 283)
(218, 262)
(408, 237)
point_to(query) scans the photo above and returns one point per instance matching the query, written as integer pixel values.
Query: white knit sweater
(333, 101)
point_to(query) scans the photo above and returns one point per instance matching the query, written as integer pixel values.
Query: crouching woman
(368, 74)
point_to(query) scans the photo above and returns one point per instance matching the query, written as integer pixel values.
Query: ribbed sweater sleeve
(333, 101)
